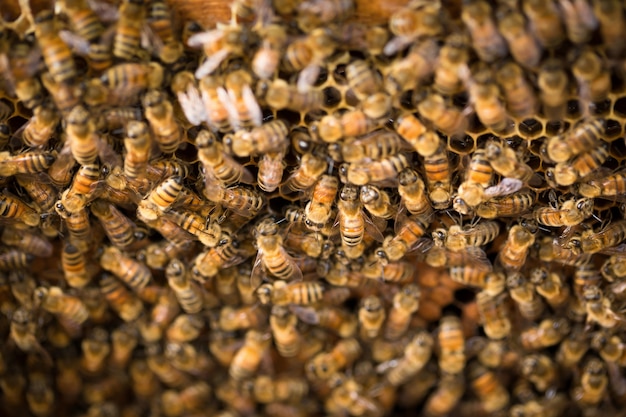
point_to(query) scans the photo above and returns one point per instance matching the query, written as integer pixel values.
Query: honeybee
(524, 47)
(207, 232)
(407, 238)
(27, 242)
(14, 259)
(378, 171)
(352, 221)
(271, 166)
(281, 293)
(145, 383)
(281, 95)
(187, 293)
(486, 39)
(608, 186)
(84, 144)
(550, 286)
(227, 253)
(214, 111)
(77, 225)
(122, 83)
(160, 199)
(444, 117)
(162, 368)
(599, 309)
(553, 89)
(478, 177)
(268, 137)
(593, 78)
(41, 127)
(246, 317)
(416, 354)
(40, 395)
(65, 306)
(592, 242)
(19, 65)
(371, 316)
(446, 397)
(593, 384)
(248, 358)
(412, 22)
(567, 173)
(612, 270)
(95, 349)
(267, 58)
(135, 274)
(377, 202)
(25, 163)
(137, 144)
(318, 211)
(492, 394)
(541, 371)
(611, 18)
(380, 144)
(56, 54)
(548, 333)
(84, 188)
(505, 162)
(312, 14)
(160, 114)
(405, 303)
(185, 87)
(458, 238)
(312, 166)
(127, 39)
(545, 22)
(333, 127)
(286, 336)
(218, 44)
(337, 319)
(452, 345)
(23, 332)
(507, 206)
(571, 213)
(363, 81)
(123, 341)
(218, 163)
(325, 364)
(189, 399)
(407, 73)
(272, 254)
(412, 190)
(239, 100)
(513, 253)
(74, 266)
(185, 328)
(159, 19)
(494, 315)
(523, 293)
(520, 98)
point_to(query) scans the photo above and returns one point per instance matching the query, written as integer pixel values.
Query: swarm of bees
(296, 214)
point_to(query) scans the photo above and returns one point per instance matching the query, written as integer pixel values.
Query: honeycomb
(294, 213)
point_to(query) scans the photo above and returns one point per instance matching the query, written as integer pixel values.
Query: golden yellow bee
(594, 383)
(74, 266)
(268, 137)
(227, 253)
(281, 95)
(405, 304)
(492, 394)
(56, 54)
(127, 40)
(529, 304)
(457, 238)
(247, 359)
(77, 224)
(371, 317)
(83, 189)
(593, 78)
(523, 46)
(313, 14)
(159, 18)
(160, 199)
(553, 88)
(23, 332)
(187, 293)
(25, 163)
(218, 163)
(407, 238)
(41, 127)
(408, 73)
(123, 341)
(95, 350)
(486, 39)
(520, 98)
(281, 293)
(272, 254)
(271, 166)
(159, 111)
(507, 206)
(513, 253)
(120, 84)
(612, 26)
(333, 127)
(127, 269)
(378, 171)
(412, 22)
(207, 232)
(567, 173)
(545, 22)
(550, 286)
(65, 306)
(311, 167)
(446, 396)
(608, 186)
(284, 331)
(184, 328)
(599, 309)
(548, 332)
(540, 370)
(325, 364)
(27, 242)
(40, 395)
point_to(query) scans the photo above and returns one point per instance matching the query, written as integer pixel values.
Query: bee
(325, 364)
(122, 83)
(605, 187)
(281, 95)
(185, 87)
(550, 286)
(137, 144)
(272, 254)
(306, 54)
(185, 357)
(187, 293)
(77, 225)
(281, 293)
(41, 127)
(214, 112)
(14, 259)
(521, 101)
(592, 242)
(351, 221)
(56, 54)
(83, 141)
(95, 349)
(68, 379)
(416, 354)
(27, 242)
(611, 18)
(599, 309)
(20, 64)
(218, 163)
(494, 315)
(74, 266)
(271, 166)
(610, 348)
(523, 46)
(593, 78)
(160, 199)
(311, 167)
(523, 293)
(492, 394)
(363, 81)
(163, 369)
(486, 39)
(227, 253)
(123, 342)
(548, 332)
(123, 302)
(541, 371)
(159, 20)
(269, 137)
(84, 188)
(66, 307)
(166, 131)
(378, 171)
(458, 238)
(567, 173)
(412, 22)
(593, 384)
(83, 20)
(411, 129)
(333, 127)
(451, 344)
(585, 276)
(25, 163)
(313, 14)
(218, 44)
(553, 89)
(571, 213)
(318, 211)
(40, 395)
(507, 206)
(513, 253)
(409, 72)
(478, 177)
(208, 233)
(413, 192)
(127, 39)
(446, 396)
(377, 202)
(267, 58)
(612, 270)
(545, 23)
(285, 334)
(407, 238)
(135, 274)
(572, 349)
(23, 332)
(378, 145)
(185, 328)
(239, 100)
(371, 316)
(280, 389)
(242, 318)
(248, 358)
(477, 275)
(505, 162)
(405, 303)
(446, 118)
(336, 319)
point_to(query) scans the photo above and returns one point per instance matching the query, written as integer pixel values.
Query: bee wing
(192, 105)
(78, 44)
(258, 271)
(306, 314)
(383, 367)
(210, 64)
(253, 106)
(228, 102)
(615, 250)
(106, 12)
(505, 187)
(476, 256)
(371, 228)
(307, 77)
(297, 272)
(397, 44)
(107, 154)
(198, 40)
